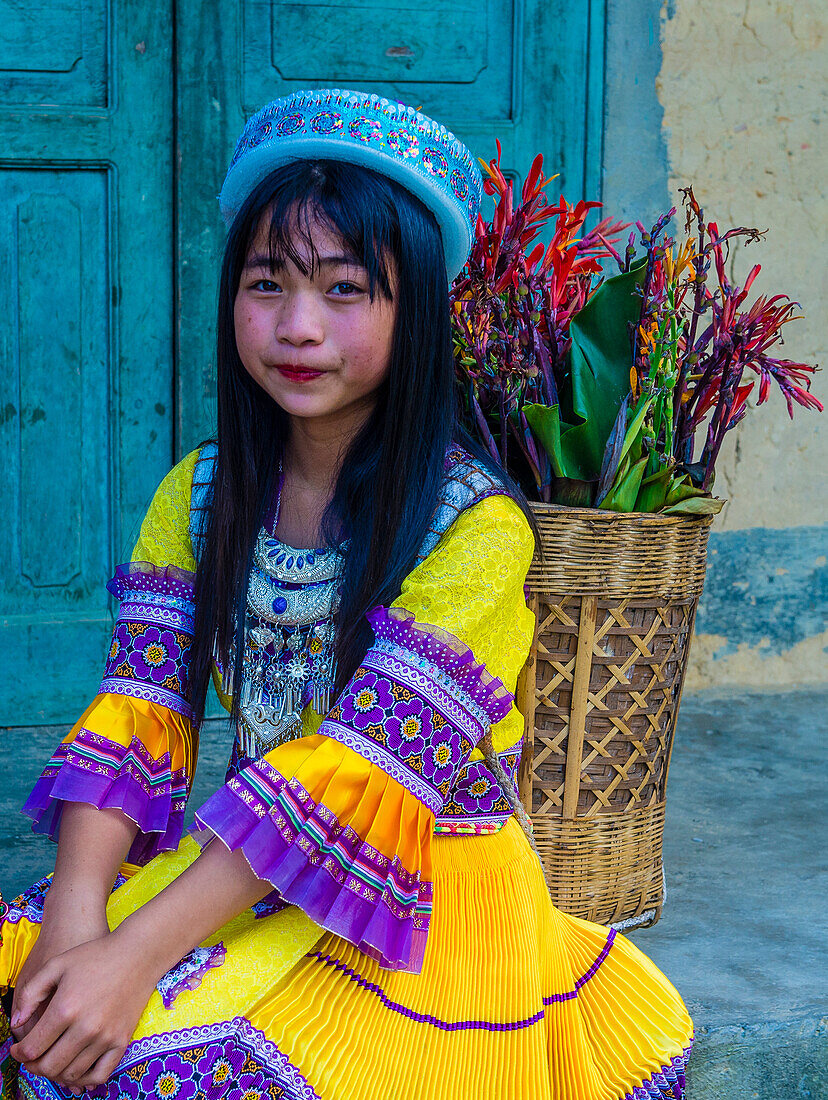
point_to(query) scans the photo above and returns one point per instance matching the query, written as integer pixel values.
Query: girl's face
(314, 342)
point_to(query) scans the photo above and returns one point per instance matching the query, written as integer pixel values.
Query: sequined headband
(364, 129)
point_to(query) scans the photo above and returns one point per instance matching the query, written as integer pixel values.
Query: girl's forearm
(215, 888)
(92, 845)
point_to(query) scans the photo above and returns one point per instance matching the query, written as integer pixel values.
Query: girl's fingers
(103, 1069)
(71, 1046)
(74, 1074)
(22, 1030)
(28, 997)
(46, 1032)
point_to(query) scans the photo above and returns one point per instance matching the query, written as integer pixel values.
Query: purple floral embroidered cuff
(95, 770)
(151, 640)
(417, 705)
(476, 799)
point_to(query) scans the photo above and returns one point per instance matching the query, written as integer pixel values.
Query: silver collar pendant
(292, 601)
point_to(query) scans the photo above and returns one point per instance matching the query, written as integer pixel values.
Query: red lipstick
(297, 373)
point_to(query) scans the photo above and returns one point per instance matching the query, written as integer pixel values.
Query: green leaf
(683, 490)
(653, 492)
(545, 422)
(622, 496)
(695, 505)
(634, 430)
(599, 376)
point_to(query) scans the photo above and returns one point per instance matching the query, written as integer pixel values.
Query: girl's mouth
(297, 374)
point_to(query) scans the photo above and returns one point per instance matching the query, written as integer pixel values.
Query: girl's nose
(298, 322)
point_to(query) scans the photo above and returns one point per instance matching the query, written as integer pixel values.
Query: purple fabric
(325, 868)
(223, 1060)
(187, 974)
(143, 576)
(102, 773)
(398, 717)
(149, 655)
(476, 797)
(448, 654)
(417, 705)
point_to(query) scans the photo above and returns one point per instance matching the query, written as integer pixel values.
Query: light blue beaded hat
(365, 129)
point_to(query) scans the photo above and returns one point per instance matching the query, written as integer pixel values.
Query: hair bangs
(331, 195)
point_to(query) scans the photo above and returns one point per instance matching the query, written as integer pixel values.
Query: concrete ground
(742, 932)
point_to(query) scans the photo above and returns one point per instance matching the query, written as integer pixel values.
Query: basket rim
(542, 508)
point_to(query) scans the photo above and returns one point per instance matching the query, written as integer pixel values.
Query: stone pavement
(742, 935)
(742, 932)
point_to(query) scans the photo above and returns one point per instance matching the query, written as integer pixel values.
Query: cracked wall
(731, 97)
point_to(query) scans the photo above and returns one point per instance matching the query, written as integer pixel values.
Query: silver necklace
(292, 600)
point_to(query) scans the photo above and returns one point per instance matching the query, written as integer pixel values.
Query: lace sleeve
(164, 538)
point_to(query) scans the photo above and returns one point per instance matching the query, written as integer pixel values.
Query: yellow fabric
(122, 719)
(16, 943)
(164, 538)
(260, 952)
(472, 586)
(497, 947)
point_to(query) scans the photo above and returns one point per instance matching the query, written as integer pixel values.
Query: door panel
(529, 72)
(86, 263)
(107, 330)
(54, 52)
(457, 56)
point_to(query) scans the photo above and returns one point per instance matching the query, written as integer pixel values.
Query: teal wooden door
(117, 122)
(86, 332)
(529, 72)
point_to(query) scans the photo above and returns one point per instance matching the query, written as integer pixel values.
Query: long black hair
(390, 477)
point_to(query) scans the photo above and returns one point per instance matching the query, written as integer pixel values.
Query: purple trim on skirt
(593, 970)
(465, 1025)
(669, 1083)
(424, 1017)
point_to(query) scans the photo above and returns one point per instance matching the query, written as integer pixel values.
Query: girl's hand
(89, 1000)
(60, 931)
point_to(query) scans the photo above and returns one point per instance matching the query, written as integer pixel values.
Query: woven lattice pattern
(605, 871)
(615, 596)
(637, 654)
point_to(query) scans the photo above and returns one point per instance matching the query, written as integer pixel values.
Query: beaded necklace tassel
(292, 599)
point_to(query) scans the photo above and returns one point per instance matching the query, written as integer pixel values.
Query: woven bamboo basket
(615, 598)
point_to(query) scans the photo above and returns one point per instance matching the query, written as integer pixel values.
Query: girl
(356, 913)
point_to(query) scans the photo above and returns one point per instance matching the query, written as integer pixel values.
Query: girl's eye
(345, 289)
(266, 284)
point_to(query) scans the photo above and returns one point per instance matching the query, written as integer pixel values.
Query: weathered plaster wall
(730, 95)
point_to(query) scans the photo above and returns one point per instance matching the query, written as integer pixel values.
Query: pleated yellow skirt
(516, 1001)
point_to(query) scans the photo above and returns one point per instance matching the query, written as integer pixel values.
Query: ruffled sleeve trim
(442, 651)
(124, 754)
(143, 576)
(335, 835)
